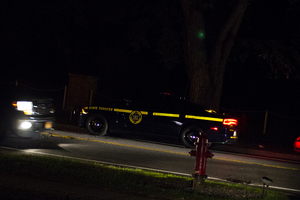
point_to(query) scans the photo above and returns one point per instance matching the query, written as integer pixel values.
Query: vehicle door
(168, 118)
(135, 117)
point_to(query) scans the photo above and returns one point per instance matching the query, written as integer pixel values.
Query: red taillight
(214, 128)
(230, 122)
(297, 145)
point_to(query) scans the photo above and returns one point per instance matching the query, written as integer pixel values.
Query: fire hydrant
(201, 153)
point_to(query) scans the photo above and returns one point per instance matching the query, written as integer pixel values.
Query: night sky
(124, 44)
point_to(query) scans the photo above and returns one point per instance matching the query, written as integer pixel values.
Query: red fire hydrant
(201, 154)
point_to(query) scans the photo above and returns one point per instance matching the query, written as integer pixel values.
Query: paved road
(166, 156)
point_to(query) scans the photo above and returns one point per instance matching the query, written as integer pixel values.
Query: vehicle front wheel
(97, 124)
(189, 136)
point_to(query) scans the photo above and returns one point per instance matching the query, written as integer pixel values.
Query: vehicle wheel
(97, 124)
(189, 136)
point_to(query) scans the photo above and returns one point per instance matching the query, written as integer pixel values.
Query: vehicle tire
(97, 124)
(189, 136)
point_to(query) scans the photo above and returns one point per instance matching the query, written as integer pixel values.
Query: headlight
(83, 111)
(211, 111)
(25, 106)
(25, 125)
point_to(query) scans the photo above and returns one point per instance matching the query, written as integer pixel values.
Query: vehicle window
(149, 104)
(172, 106)
(191, 108)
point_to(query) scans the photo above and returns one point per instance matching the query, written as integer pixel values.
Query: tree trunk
(206, 73)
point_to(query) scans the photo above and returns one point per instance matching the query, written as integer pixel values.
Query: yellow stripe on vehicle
(93, 107)
(122, 110)
(204, 118)
(106, 109)
(165, 114)
(144, 112)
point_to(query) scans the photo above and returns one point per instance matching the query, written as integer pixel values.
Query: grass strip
(120, 179)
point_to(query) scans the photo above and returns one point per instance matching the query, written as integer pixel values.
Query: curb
(267, 154)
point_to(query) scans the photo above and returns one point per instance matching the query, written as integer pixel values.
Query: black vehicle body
(159, 115)
(38, 118)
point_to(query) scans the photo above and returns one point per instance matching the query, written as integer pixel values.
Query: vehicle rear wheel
(97, 124)
(189, 136)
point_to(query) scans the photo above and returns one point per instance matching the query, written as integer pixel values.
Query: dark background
(127, 45)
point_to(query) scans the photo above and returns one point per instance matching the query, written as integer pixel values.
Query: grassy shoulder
(124, 180)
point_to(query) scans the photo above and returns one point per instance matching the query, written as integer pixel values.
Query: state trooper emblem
(135, 117)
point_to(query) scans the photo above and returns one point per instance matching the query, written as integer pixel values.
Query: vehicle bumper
(222, 135)
(32, 127)
(232, 137)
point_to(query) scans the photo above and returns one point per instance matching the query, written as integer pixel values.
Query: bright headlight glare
(25, 125)
(25, 106)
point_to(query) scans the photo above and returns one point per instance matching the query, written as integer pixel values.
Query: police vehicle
(160, 115)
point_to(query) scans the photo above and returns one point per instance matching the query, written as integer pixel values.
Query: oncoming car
(32, 117)
(24, 115)
(160, 115)
(26, 118)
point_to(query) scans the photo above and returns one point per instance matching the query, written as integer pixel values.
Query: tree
(208, 41)
(270, 40)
